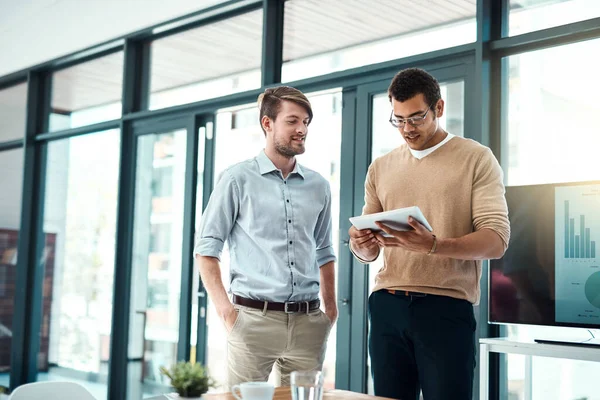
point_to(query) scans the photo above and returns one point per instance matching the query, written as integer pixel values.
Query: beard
(288, 150)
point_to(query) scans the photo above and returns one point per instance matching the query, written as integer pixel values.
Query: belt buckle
(286, 307)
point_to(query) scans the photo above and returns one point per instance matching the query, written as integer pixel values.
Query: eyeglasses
(413, 121)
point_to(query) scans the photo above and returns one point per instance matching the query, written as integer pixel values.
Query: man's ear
(266, 123)
(439, 108)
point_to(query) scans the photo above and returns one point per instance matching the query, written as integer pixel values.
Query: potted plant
(190, 380)
(4, 392)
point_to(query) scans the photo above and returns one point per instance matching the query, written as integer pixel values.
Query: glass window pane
(199, 64)
(326, 36)
(157, 259)
(80, 217)
(323, 152)
(13, 109)
(11, 165)
(87, 93)
(532, 15)
(540, 150)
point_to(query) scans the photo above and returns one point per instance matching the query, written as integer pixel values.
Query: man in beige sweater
(422, 334)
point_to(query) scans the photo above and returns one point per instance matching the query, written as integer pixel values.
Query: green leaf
(188, 379)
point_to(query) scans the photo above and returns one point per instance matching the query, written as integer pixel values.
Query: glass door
(163, 307)
(157, 259)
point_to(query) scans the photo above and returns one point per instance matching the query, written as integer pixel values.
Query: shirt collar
(265, 165)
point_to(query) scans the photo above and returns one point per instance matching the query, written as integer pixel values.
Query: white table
(503, 345)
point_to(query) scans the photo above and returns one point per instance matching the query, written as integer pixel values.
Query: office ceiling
(317, 26)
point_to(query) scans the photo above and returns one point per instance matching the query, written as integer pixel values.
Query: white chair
(53, 390)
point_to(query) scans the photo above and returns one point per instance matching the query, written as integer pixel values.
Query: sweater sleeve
(372, 202)
(488, 202)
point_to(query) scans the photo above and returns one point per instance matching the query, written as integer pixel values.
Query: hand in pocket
(230, 319)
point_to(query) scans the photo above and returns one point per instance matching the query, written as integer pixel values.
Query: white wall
(36, 31)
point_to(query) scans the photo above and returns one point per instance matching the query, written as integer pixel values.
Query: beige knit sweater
(459, 188)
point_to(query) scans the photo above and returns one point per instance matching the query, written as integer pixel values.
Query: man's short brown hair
(269, 102)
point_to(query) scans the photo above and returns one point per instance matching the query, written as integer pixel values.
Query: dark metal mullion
(472, 106)
(209, 159)
(36, 266)
(144, 63)
(498, 373)
(497, 105)
(360, 272)
(119, 344)
(119, 348)
(162, 124)
(135, 76)
(207, 186)
(11, 145)
(27, 317)
(492, 25)
(69, 133)
(345, 258)
(187, 260)
(551, 37)
(9, 81)
(272, 48)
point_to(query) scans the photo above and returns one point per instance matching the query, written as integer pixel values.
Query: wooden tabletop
(284, 393)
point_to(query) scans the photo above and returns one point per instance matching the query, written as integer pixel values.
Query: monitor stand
(591, 342)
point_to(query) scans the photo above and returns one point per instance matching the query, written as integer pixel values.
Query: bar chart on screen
(577, 245)
(577, 268)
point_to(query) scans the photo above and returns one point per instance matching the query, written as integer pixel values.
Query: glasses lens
(396, 123)
(416, 121)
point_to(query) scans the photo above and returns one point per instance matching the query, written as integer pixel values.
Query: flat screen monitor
(550, 273)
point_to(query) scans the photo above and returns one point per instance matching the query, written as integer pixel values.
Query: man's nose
(408, 127)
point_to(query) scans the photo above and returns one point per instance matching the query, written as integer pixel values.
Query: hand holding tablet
(395, 219)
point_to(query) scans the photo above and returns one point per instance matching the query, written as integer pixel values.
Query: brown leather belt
(406, 293)
(289, 307)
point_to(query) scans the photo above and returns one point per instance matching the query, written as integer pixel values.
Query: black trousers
(421, 343)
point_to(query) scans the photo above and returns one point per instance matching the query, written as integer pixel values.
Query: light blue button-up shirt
(278, 230)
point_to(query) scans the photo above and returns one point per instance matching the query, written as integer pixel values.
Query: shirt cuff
(209, 247)
(325, 255)
(362, 260)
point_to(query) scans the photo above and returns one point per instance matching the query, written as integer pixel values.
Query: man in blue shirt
(276, 216)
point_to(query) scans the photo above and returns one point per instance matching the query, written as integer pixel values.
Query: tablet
(395, 219)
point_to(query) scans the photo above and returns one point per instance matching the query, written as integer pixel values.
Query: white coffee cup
(253, 391)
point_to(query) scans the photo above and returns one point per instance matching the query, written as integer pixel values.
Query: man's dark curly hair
(410, 82)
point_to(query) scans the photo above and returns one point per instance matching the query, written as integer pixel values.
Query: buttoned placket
(289, 216)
